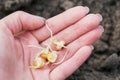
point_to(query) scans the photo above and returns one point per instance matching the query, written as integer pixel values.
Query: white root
(66, 53)
(39, 47)
(51, 33)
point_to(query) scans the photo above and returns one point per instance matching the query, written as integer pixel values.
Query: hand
(74, 26)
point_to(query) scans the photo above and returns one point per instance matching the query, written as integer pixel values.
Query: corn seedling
(52, 56)
(47, 55)
(59, 44)
(38, 63)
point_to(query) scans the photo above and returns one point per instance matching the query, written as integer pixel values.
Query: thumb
(20, 20)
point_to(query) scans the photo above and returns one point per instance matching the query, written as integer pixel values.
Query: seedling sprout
(38, 63)
(52, 56)
(47, 55)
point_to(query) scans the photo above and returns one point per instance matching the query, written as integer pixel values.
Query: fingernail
(99, 15)
(102, 28)
(92, 47)
(87, 9)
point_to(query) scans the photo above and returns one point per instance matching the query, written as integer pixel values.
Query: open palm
(21, 29)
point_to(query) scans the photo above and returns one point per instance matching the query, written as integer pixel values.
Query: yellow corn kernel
(59, 44)
(52, 57)
(44, 53)
(54, 41)
(38, 63)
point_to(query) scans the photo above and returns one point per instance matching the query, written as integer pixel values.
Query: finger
(87, 39)
(83, 26)
(61, 21)
(67, 68)
(22, 21)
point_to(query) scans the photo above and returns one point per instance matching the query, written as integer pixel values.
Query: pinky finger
(68, 67)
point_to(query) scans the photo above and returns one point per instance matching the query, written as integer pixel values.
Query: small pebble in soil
(101, 46)
(111, 62)
(67, 4)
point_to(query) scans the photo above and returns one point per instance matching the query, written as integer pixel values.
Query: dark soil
(104, 64)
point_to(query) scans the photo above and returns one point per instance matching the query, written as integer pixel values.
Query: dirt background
(104, 64)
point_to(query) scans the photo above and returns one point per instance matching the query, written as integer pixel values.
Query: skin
(20, 29)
